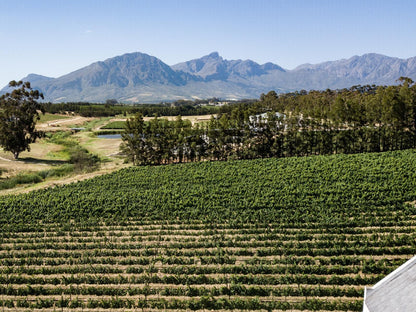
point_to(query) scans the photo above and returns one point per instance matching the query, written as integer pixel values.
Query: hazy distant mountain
(138, 77)
(37, 78)
(366, 69)
(34, 79)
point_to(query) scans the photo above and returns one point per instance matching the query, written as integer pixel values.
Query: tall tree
(134, 141)
(19, 111)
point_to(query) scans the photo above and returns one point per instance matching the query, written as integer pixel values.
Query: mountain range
(142, 78)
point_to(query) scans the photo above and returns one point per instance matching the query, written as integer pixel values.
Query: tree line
(355, 120)
(183, 108)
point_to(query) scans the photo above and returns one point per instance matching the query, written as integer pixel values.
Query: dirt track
(63, 124)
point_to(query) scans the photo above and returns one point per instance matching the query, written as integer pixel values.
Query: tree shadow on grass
(31, 160)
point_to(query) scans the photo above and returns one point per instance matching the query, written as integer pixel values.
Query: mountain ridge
(141, 78)
(214, 67)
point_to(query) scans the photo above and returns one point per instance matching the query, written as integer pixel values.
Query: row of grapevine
(275, 234)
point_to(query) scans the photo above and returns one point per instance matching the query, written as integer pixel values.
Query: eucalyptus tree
(19, 111)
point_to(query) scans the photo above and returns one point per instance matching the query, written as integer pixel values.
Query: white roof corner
(395, 292)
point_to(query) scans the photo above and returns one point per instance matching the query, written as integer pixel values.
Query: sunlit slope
(366, 189)
(277, 234)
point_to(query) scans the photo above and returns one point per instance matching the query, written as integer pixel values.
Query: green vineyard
(286, 234)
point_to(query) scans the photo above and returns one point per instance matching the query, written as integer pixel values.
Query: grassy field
(49, 160)
(118, 124)
(277, 234)
(44, 118)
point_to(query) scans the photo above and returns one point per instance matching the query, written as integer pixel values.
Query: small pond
(109, 136)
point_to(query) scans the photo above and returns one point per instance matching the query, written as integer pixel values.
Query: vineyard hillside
(289, 234)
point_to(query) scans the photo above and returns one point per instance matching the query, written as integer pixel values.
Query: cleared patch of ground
(42, 156)
(63, 124)
(102, 147)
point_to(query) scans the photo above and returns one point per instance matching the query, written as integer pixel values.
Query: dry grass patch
(99, 146)
(41, 156)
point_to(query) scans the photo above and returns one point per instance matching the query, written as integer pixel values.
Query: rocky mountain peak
(142, 78)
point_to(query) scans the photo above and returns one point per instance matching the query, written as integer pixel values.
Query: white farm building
(394, 293)
(263, 117)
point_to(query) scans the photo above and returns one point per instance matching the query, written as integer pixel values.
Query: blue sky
(55, 37)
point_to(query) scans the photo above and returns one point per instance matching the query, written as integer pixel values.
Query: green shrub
(36, 177)
(83, 160)
(62, 138)
(23, 178)
(58, 171)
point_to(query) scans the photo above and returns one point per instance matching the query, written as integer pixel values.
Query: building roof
(265, 116)
(395, 292)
